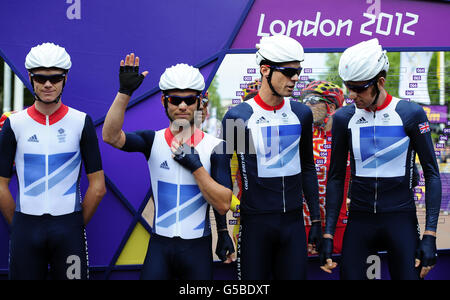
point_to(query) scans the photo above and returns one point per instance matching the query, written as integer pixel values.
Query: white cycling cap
(182, 77)
(279, 49)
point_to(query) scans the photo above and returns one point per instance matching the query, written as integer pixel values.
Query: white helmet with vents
(363, 61)
(48, 55)
(182, 77)
(279, 49)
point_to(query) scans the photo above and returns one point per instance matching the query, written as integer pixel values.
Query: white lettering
(314, 28)
(277, 22)
(291, 25)
(380, 21)
(375, 8)
(322, 25)
(412, 22)
(74, 11)
(374, 270)
(260, 26)
(74, 270)
(372, 19)
(341, 25)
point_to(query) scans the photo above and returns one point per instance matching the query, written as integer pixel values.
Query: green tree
(214, 98)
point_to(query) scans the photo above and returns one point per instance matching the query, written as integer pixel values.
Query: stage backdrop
(98, 34)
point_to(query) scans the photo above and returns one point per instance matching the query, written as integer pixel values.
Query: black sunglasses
(52, 78)
(176, 100)
(360, 88)
(288, 72)
(314, 99)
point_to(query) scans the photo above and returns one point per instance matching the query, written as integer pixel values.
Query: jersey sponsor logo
(262, 120)
(33, 139)
(164, 165)
(424, 127)
(382, 144)
(362, 120)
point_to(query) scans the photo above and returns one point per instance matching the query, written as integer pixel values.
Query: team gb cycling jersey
(382, 147)
(48, 151)
(180, 209)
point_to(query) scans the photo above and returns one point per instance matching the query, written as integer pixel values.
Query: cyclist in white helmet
(187, 170)
(48, 142)
(272, 137)
(383, 134)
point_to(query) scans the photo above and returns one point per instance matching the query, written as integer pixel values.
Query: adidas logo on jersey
(262, 120)
(362, 121)
(33, 139)
(164, 165)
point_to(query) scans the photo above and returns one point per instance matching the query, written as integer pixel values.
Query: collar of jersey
(385, 104)
(265, 106)
(53, 118)
(195, 139)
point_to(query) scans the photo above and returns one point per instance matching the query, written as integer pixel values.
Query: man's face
(47, 88)
(282, 84)
(363, 99)
(181, 114)
(319, 111)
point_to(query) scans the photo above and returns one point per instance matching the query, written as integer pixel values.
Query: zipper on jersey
(376, 167)
(177, 221)
(47, 129)
(284, 200)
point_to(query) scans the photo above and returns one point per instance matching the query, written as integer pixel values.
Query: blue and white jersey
(275, 153)
(180, 209)
(48, 151)
(382, 147)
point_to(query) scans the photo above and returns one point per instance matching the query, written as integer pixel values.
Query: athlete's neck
(380, 101)
(329, 124)
(268, 97)
(181, 133)
(47, 109)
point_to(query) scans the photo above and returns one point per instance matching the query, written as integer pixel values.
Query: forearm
(214, 193)
(7, 205)
(94, 194)
(112, 128)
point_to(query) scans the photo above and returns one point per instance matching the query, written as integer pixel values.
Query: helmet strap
(269, 81)
(56, 100)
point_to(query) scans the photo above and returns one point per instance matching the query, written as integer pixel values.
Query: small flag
(424, 127)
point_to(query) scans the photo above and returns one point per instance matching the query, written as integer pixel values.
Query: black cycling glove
(188, 157)
(325, 250)
(224, 245)
(129, 79)
(427, 252)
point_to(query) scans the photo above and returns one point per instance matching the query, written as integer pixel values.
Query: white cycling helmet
(48, 55)
(279, 49)
(363, 61)
(182, 77)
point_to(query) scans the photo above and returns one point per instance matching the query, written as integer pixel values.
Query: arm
(90, 154)
(423, 145)
(335, 188)
(94, 194)
(8, 146)
(336, 174)
(7, 204)
(309, 174)
(130, 80)
(215, 194)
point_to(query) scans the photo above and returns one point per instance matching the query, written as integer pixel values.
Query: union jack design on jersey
(424, 127)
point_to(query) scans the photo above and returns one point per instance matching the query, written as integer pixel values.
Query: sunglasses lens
(52, 78)
(177, 100)
(359, 88)
(290, 72)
